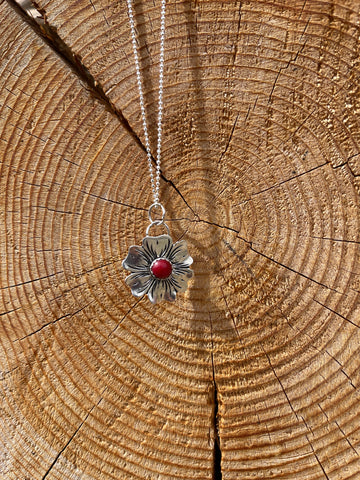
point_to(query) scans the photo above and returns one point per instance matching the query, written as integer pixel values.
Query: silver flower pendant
(159, 268)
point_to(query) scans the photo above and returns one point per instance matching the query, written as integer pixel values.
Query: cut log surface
(254, 372)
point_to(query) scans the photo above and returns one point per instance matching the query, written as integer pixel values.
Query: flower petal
(137, 260)
(156, 247)
(162, 290)
(180, 278)
(179, 254)
(139, 283)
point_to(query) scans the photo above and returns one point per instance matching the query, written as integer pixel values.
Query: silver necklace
(159, 268)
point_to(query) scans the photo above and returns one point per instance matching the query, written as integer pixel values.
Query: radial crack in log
(121, 320)
(68, 315)
(281, 69)
(72, 437)
(50, 36)
(294, 177)
(317, 458)
(217, 472)
(337, 313)
(280, 382)
(295, 271)
(15, 285)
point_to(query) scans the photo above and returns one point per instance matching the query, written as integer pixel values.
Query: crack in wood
(346, 438)
(308, 427)
(318, 350)
(279, 381)
(65, 212)
(277, 262)
(296, 272)
(223, 227)
(4, 374)
(340, 365)
(217, 473)
(236, 42)
(277, 185)
(292, 135)
(311, 446)
(338, 314)
(31, 281)
(248, 242)
(10, 311)
(317, 458)
(230, 312)
(110, 200)
(121, 320)
(290, 61)
(223, 153)
(52, 322)
(344, 240)
(217, 454)
(72, 437)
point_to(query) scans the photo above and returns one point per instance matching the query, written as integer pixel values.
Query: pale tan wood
(261, 170)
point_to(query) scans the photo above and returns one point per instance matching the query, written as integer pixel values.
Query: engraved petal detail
(180, 254)
(157, 247)
(136, 260)
(139, 283)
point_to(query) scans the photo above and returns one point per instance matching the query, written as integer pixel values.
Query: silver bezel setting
(155, 260)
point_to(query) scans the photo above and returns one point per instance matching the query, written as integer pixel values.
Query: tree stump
(254, 372)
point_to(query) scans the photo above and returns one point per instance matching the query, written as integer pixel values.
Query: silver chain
(155, 178)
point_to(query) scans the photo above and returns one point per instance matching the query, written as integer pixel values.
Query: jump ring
(156, 205)
(157, 223)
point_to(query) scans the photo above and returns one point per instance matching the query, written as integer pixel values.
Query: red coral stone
(161, 268)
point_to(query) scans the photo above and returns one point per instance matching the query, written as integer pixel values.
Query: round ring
(157, 223)
(156, 205)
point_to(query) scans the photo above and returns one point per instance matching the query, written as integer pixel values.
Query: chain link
(154, 177)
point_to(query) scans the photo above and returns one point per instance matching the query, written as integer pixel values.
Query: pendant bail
(157, 223)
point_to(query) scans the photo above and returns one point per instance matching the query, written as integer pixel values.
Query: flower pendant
(159, 268)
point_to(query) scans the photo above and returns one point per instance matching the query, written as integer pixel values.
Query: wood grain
(254, 372)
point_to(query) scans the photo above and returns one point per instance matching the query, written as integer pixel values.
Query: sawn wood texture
(260, 175)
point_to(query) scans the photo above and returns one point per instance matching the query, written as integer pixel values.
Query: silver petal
(156, 247)
(162, 290)
(139, 283)
(137, 260)
(180, 278)
(180, 254)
